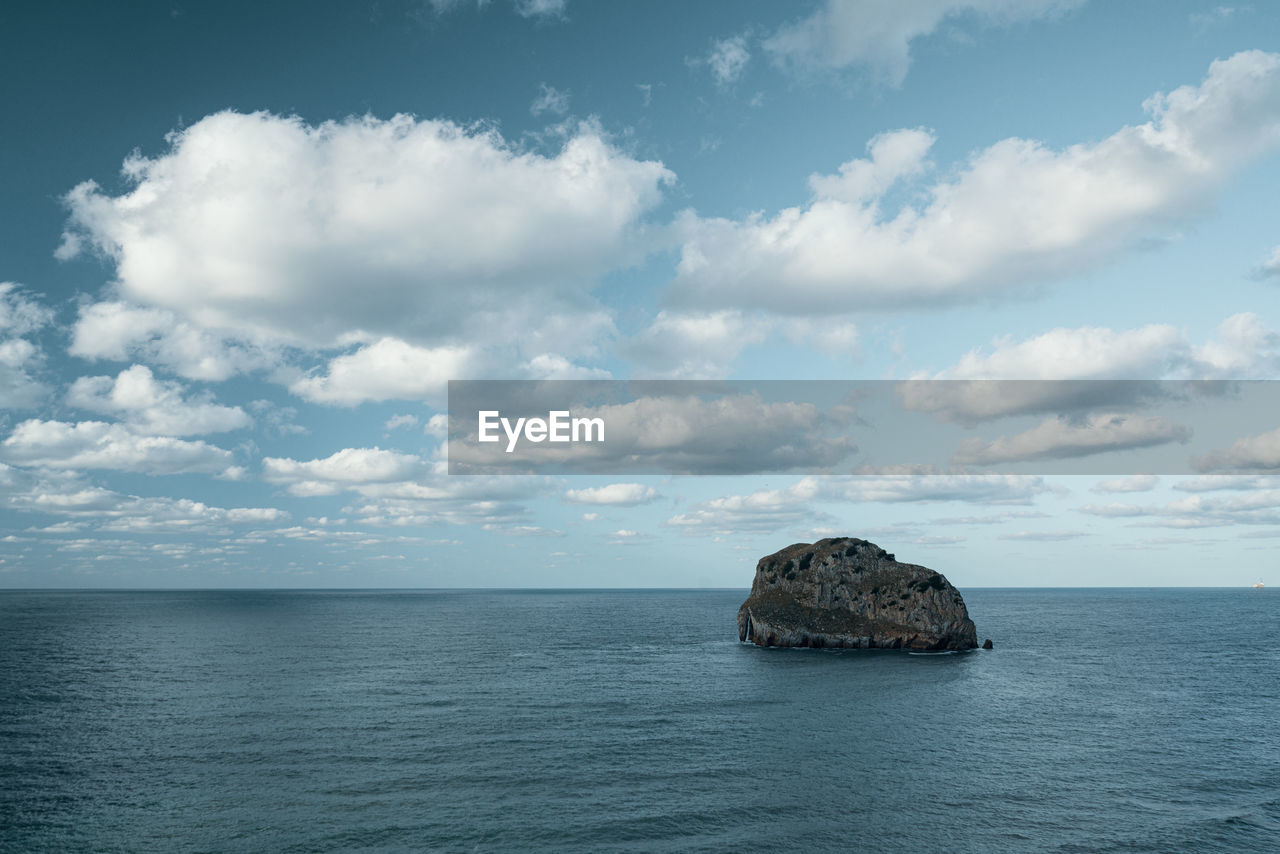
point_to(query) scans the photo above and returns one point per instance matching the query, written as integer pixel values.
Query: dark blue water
(631, 721)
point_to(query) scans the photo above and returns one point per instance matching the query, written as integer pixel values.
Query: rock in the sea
(986, 644)
(846, 592)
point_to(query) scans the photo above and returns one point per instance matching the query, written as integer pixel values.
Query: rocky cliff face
(845, 592)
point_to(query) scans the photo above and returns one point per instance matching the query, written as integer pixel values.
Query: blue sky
(247, 244)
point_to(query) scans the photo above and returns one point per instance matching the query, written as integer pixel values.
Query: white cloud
(1061, 438)
(385, 370)
(794, 506)
(144, 515)
(830, 336)
(342, 470)
(1259, 506)
(154, 407)
(1016, 213)
(427, 246)
(968, 488)
(894, 156)
(616, 494)
(403, 491)
(276, 230)
(1086, 352)
(1133, 483)
(878, 35)
(437, 426)
(63, 493)
(98, 445)
(395, 422)
(991, 384)
(1271, 267)
(120, 331)
(552, 366)
(1243, 348)
(727, 59)
(700, 345)
(764, 510)
(550, 100)
(1251, 452)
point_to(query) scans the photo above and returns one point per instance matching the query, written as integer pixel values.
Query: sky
(246, 246)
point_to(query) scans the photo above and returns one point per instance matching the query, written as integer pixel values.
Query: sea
(1106, 720)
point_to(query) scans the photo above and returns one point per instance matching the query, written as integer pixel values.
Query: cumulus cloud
(1015, 213)
(552, 366)
(1060, 370)
(341, 470)
(385, 370)
(615, 494)
(307, 234)
(152, 406)
(693, 345)
(395, 422)
(1270, 267)
(254, 236)
(99, 445)
(119, 331)
(402, 490)
(878, 36)
(1261, 452)
(1060, 438)
(437, 426)
(764, 510)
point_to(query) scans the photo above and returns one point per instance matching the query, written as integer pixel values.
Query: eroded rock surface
(846, 592)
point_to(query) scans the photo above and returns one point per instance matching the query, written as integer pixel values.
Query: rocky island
(846, 592)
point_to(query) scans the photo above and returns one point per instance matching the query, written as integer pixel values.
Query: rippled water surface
(1104, 720)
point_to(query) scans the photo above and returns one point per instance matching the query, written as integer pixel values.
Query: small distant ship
(1259, 585)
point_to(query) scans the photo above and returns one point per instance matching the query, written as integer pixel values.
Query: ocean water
(1104, 720)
